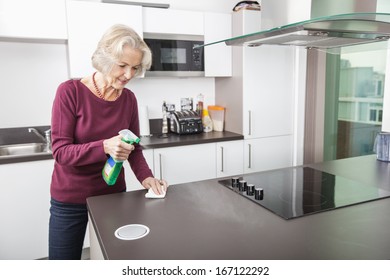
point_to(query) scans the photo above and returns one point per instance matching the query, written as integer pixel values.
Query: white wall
(29, 76)
(386, 98)
(152, 92)
(30, 73)
(276, 13)
(383, 6)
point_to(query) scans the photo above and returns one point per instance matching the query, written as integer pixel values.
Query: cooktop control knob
(235, 182)
(242, 187)
(250, 189)
(259, 194)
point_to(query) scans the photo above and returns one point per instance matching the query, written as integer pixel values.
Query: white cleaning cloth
(152, 194)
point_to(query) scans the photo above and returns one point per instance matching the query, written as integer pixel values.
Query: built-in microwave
(175, 55)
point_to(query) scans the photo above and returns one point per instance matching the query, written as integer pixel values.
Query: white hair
(110, 49)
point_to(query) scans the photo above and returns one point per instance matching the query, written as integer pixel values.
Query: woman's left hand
(158, 186)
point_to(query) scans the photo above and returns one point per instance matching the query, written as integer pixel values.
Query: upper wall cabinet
(212, 26)
(218, 57)
(165, 21)
(38, 19)
(87, 21)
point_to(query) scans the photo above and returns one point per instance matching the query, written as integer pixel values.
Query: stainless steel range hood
(322, 33)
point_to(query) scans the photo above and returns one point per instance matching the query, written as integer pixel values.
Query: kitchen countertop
(151, 142)
(204, 220)
(173, 140)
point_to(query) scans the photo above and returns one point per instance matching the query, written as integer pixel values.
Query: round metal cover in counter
(132, 232)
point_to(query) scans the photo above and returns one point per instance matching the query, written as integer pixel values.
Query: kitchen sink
(18, 150)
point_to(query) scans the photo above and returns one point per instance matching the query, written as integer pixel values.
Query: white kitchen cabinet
(168, 21)
(211, 26)
(259, 100)
(267, 153)
(267, 87)
(131, 181)
(218, 57)
(38, 19)
(24, 209)
(268, 91)
(87, 22)
(230, 158)
(185, 163)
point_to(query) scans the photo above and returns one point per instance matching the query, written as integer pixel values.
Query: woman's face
(125, 68)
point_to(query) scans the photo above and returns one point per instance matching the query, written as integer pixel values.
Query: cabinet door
(87, 21)
(131, 181)
(185, 163)
(267, 153)
(38, 19)
(230, 158)
(218, 57)
(24, 209)
(167, 21)
(268, 91)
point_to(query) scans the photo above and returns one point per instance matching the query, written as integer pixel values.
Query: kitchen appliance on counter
(175, 55)
(185, 122)
(300, 191)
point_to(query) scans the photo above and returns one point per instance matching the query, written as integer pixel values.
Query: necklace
(101, 96)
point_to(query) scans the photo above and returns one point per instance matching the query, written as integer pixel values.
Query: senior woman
(87, 115)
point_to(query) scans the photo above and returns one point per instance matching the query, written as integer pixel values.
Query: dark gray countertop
(25, 158)
(204, 220)
(173, 140)
(151, 142)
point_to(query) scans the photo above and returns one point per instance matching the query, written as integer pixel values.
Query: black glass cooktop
(299, 191)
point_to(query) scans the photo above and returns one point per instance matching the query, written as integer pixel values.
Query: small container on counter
(199, 104)
(217, 114)
(206, 121)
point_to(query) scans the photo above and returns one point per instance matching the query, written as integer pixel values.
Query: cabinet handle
(221, 159)
(160, 162)
(250, 123)
(250, 156)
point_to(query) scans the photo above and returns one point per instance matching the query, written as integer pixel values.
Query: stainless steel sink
(18, 150)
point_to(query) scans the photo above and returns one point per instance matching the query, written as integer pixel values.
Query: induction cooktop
(299, 191)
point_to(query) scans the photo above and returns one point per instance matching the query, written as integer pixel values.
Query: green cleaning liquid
(113, 167)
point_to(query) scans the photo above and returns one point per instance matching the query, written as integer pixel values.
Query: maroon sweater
(80, 123)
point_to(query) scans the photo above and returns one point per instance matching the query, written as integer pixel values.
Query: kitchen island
(205, 220)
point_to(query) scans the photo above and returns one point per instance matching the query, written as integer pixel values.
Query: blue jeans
(67, 228)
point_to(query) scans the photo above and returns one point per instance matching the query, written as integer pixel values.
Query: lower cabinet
(131, 181)
(24, 209)
(185, 163)
(230, 158)
(267, 153)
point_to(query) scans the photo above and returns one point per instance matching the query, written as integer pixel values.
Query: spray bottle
(113, 167)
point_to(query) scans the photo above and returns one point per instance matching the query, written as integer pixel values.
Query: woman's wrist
(105, 147)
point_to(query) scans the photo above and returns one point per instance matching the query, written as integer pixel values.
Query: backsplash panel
(20, 135)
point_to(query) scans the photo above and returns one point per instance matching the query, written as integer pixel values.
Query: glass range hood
(321, 33)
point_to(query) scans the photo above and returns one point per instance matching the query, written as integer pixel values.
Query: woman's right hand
(117, 149)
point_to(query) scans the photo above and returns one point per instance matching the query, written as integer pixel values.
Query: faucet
(46, 139)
